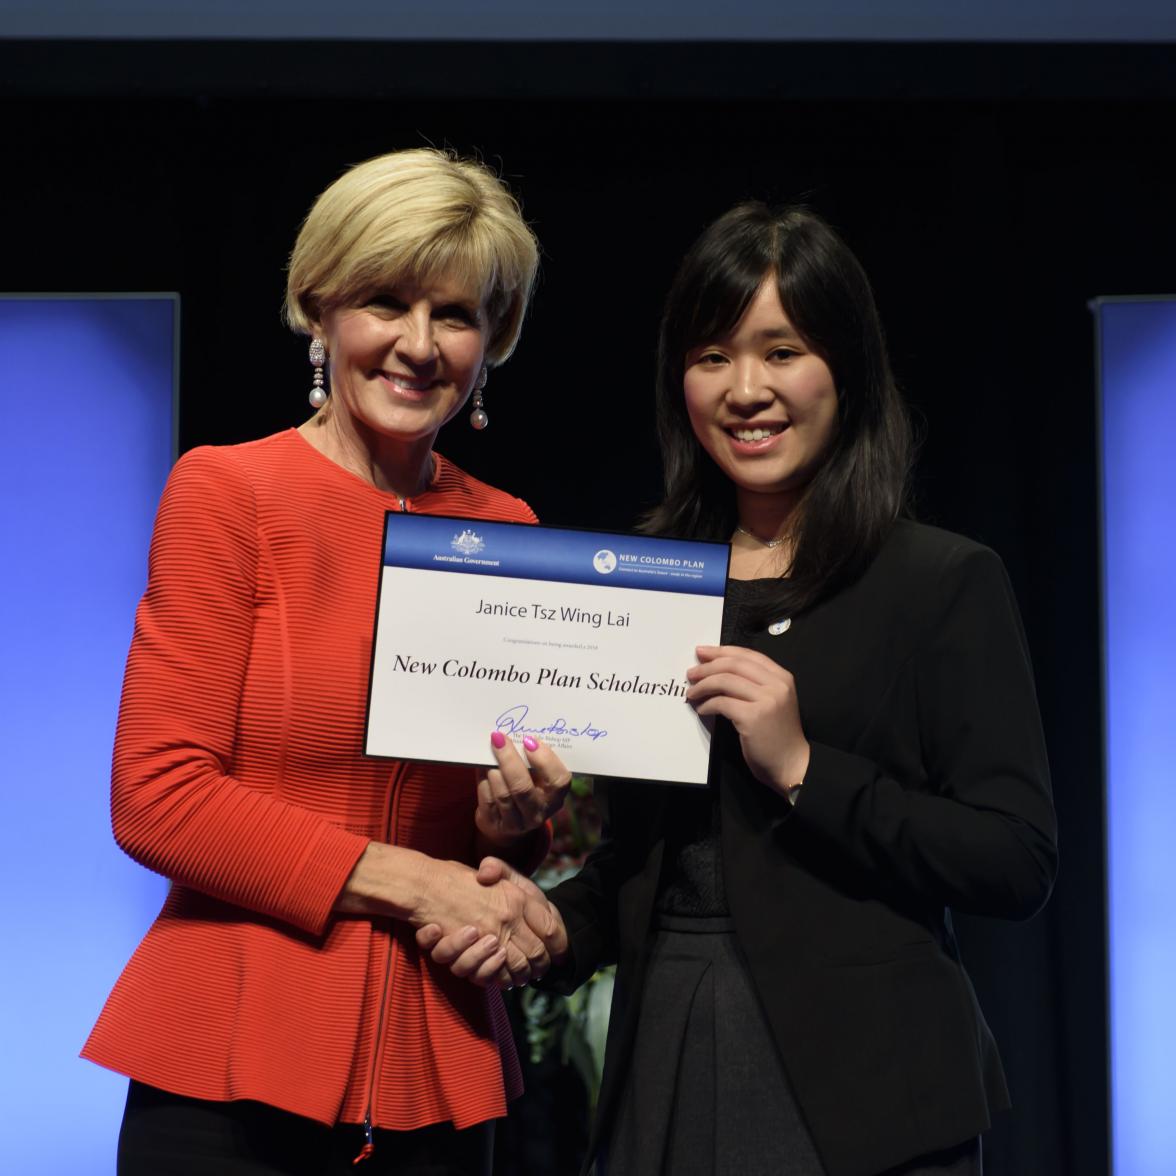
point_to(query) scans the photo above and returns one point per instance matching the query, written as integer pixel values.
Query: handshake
(490, 926)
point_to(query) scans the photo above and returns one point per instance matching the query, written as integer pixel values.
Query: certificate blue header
(603, 558)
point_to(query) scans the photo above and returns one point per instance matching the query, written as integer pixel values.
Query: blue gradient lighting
(89, 417)
(1137, 361)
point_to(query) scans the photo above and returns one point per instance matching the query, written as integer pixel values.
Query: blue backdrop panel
(89, 419)
(651, 20)
(1137, 358)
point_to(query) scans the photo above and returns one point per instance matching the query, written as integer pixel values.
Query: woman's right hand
(478, 958)
(404, 884)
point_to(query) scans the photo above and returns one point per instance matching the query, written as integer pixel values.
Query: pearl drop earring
(318, 356)
(478, 418)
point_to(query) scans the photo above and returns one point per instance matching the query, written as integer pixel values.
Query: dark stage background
(991, 191)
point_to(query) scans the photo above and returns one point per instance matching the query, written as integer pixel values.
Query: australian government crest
(468, 542)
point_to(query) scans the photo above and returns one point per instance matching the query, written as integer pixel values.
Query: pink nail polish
(530, 743)
(497, 739)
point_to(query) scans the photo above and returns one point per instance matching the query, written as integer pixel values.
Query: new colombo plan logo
(604, 561)
(468, 542)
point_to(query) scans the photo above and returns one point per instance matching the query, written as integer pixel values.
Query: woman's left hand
(514, 799)
(759, 698)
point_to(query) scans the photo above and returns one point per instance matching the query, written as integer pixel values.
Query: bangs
(718, 284)
(460, 254)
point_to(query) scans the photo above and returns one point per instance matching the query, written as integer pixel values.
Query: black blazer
(928, 788)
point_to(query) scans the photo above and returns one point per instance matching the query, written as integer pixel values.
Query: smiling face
(762, 403)
(403, 364)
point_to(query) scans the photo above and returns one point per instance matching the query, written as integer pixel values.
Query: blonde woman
(278, 1016)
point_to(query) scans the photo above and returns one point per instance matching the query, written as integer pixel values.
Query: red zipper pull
(369, 1144)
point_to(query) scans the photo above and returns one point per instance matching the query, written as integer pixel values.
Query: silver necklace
(768, 543)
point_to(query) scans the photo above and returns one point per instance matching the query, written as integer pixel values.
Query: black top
(692, 878)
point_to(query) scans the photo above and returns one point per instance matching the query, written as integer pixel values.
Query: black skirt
(706, 1093)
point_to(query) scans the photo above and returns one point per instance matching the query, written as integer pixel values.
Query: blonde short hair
(416, 215)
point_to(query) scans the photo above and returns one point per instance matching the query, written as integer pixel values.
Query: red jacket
(239, 774)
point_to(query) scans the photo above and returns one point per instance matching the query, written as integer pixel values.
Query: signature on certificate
(514, 722)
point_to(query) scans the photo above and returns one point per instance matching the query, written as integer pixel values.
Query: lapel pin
(778, 627)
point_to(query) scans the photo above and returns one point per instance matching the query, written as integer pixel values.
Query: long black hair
(849, 506)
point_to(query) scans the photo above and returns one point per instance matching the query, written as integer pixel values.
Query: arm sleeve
(526, 855)
(982, 836)
(588, 905)
(174, 806)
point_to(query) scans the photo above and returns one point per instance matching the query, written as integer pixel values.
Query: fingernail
(497, 739)
(489, 939)
(530, 743)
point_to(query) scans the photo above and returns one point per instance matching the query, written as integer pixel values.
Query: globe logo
(604, 561)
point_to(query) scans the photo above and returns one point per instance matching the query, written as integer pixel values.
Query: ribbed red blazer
(239, 775)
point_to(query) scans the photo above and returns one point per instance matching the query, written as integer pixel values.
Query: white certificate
(580, 638)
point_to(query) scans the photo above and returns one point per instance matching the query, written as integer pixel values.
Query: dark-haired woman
(790, 998)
